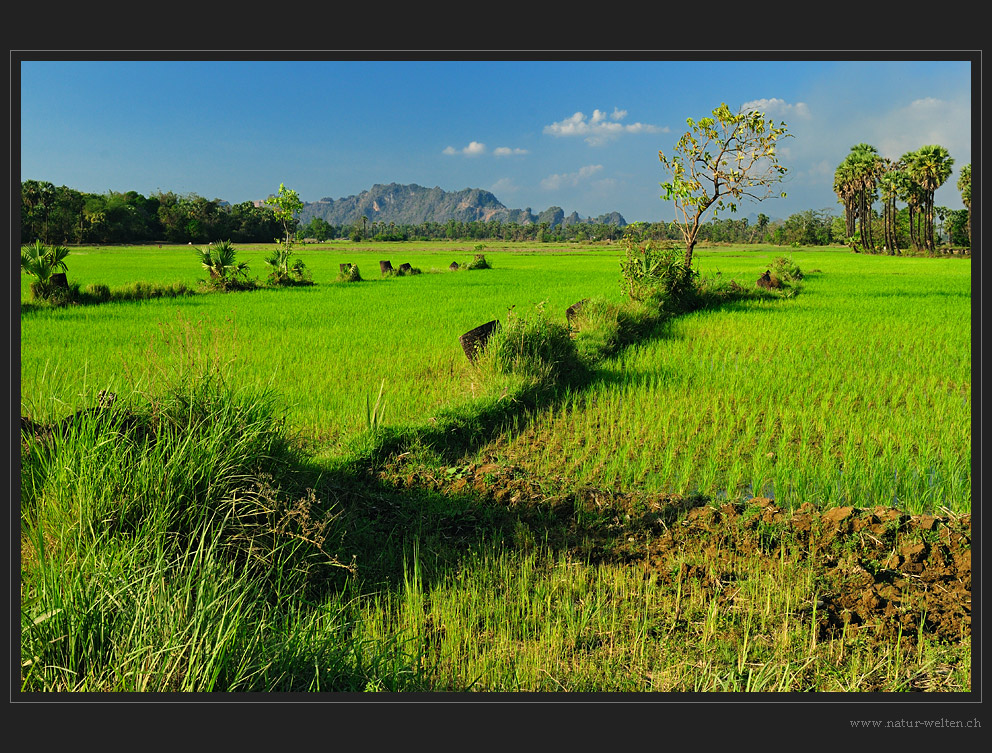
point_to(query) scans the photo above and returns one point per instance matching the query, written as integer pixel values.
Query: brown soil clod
(881, 572)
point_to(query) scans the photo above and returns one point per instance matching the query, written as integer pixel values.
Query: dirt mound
(880, 570)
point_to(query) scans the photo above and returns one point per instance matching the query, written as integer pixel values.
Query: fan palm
(43, 262)
(220, 262)
(928, 168)
(278, 262)
(855, 183)
(891, 179)
(964, 186)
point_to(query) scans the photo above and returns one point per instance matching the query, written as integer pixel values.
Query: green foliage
(225, 271)
(479, 262)
(656, 272)
(43, 262)
(286, 204)
(786, 269)
(718, 162)
(282, 272)
(139, 291)
(602, 327)
(98, 293)
(535, 348)
(349, 273)
(160, 537)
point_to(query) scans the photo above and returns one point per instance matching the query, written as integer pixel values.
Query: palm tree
(844, 188)
(867, 164)
(891, 179)
(43, 262)
(219, 261)
(855, 183)
(964, 186)
(928, 167)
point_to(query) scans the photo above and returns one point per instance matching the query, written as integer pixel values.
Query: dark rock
(475, 339)
(572, 311)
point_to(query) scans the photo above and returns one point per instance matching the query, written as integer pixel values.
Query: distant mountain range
(412, 205)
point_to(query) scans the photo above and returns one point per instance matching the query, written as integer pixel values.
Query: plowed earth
(880, 571)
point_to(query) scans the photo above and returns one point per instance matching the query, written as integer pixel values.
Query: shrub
(786, 270)
(300, 273)
(44, 263)
(349, 273)
(657, 272)
(281, 272)
(225, 272)
(534, 349)
(479, 262)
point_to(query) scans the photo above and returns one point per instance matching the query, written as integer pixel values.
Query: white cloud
(505, 151)
(473, 149)
(553, 182)
(504, 186)
(926, 121)
(599, 128)
(778, 108)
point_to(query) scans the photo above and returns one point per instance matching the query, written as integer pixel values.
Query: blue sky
(582, 135)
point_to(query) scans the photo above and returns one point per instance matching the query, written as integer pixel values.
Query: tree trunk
(688, 253)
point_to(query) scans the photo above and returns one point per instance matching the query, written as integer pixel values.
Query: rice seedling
(192, 557)
(806, 399)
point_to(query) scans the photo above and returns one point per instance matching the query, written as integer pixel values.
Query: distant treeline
(63, 215)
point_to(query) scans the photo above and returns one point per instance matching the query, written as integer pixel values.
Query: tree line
(865, 178)
(61, 215)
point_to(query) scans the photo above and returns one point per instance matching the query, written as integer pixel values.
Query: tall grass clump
(656, 272)
(602, 326)
(349, 273)
(159, 539)
(479, 261)
(532, 351)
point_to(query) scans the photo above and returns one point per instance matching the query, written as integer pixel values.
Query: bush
(657, 272)
(281, 272)
(225, 273)
(786, 270)
(479, 262)
(533, 349)
(349, 273)
(46, 264)
(300, 274)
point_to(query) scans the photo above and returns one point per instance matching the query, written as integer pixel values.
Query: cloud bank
(600, 128)
(553, 182)
(778, 108)
(475, 148)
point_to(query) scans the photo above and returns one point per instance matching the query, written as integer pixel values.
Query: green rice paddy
(857, 391)
(226, 555)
